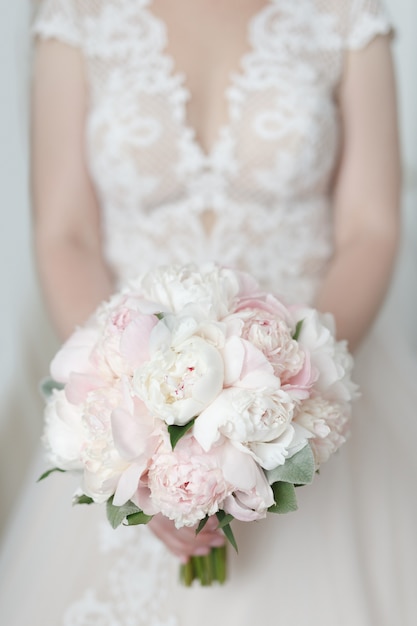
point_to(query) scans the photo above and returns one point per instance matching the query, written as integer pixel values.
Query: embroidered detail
(136, 586)
(266, 178)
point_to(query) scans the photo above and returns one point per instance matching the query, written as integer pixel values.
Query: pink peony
(124, 342)
(328, 424)
(74, 355)
(137, 437)
(187, 484)
(119, 441)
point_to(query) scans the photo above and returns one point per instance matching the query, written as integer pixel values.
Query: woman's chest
(207, 41)
(251, 105)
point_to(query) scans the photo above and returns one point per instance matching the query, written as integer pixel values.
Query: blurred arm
(366, 193)
(72, 271)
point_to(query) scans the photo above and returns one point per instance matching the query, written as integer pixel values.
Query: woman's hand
(184, 542)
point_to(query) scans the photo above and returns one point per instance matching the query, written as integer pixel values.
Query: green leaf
(298, 470)
(48, 472)
(160, 316)
(227, 529)
(137, 518)
(116, 514)
(285, 499)
(47, 387)
(201, 525)
(82, 499)
(225, 521)
(297, 331)
(177, 432)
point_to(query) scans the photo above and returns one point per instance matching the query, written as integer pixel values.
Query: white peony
(183, 376)
(175, 287)
(260, 419)
(64, 432)
(328, 423)
(329, 357)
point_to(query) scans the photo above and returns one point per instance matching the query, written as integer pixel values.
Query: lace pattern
(136, 586)
(58, 19)
(366, 19)
(271, 165)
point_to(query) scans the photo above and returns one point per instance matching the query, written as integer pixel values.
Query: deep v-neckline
(223, 132)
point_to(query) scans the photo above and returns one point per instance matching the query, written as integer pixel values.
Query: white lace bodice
(265, 181)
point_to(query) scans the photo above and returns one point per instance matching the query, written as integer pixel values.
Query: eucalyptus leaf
(285, 499)
(134, 519)
(227, 529)
(48, 386)
(49, 472)
(297, 331)
(82, 499)
(177, 432)
(298, 470)
(116, 514)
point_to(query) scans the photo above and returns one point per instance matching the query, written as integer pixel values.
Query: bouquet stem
(206, 569)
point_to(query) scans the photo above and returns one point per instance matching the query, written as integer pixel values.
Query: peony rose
(64, 432)
(252, 494)
(264, 306)
(260, 419)
(329, 358)
(181, 379)
(175, 287)
(246, 366)
(74, 355)
(136, 437)
(113, 449)
(273, 337)
(124, 342)
(186, 484)
(328, 424)
(102, 462)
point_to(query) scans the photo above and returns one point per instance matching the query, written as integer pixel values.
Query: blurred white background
(20, 420)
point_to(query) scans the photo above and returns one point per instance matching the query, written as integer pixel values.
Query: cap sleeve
(57, 19)
(367, 19)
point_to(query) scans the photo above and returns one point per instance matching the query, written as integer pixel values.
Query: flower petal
(74, 354)
(130, 432)
(134, 344)
(128, 483)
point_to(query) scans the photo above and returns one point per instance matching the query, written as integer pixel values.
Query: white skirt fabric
(347, 557)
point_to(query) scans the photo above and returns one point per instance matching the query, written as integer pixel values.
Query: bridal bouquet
(192, 393)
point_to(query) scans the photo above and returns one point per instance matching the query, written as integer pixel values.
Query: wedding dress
(348, 556)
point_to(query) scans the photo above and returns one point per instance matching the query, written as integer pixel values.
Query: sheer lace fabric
(265, 181)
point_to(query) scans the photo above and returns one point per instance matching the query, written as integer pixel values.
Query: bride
(261, 134)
